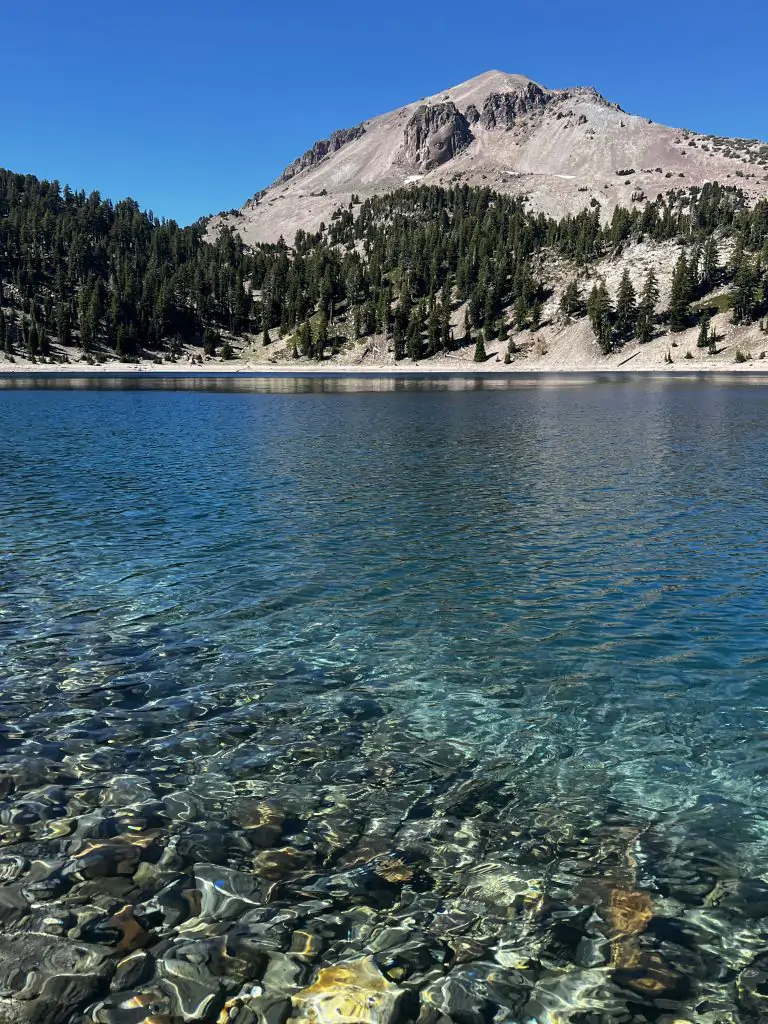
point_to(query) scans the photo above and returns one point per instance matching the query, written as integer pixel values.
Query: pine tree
(62, 321)
(83, 318)
(433, 329)
(646, 313)
(536, 316)
(605, 337)
(570, 301)
(703, 339)
(95, 309)
(120, 342)
(413, 340)
(680, 297)
(398, 340)
(745, 286)
(321, 336)
(210, 341)
(480, 354)
(626, 308)
(737, 256)
(445, 326)
(306, 341)
(600, 314)
(32, 346)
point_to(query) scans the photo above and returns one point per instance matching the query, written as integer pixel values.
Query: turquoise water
(509, 634)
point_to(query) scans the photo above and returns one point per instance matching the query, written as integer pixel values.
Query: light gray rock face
(320, 151)
(435, 134)
(502, 109)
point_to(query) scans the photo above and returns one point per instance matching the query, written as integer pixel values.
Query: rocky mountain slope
(564, 149)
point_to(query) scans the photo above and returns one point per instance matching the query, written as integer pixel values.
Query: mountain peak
(477, 88)
(563, 149)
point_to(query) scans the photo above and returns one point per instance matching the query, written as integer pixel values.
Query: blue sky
(192, 107)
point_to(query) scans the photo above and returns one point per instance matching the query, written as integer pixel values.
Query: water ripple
(514, 635)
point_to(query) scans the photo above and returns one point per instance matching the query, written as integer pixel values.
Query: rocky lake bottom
(376, 703)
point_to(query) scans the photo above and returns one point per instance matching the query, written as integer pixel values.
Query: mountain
(563, 149)
(497, 223)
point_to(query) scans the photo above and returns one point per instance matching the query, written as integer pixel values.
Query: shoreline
(190, 371)
(558, 352)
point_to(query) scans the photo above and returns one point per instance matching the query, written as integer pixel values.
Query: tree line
(79, 269)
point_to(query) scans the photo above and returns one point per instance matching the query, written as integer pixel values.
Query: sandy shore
(553, 350)
(23, 368)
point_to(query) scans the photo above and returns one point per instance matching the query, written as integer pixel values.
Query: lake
(466, 675)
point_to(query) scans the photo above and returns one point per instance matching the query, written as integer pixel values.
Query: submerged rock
(143, 1006)
(45, 979)
(355, 992)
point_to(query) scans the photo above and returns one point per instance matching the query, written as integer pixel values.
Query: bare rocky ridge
(319, 151)
(504, 109)
(563, 149)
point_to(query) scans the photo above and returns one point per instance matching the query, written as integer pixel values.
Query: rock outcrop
(472, 114)
(320, 151)
(501, 109)
(435, 134)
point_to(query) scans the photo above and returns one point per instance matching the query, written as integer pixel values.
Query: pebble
(333, 866)
(355, 992)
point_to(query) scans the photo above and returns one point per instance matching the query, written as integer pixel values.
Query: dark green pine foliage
(536, 316)
(306, 344)
(571, 301)
(600, 313)
(704, 338)
(321, 336)
(211, 341)
(414, 341)
(626, 309)
(745, 291)
(480, 355)
(680, 296)
(75, 268)
(522, 312)
(646, 310)
(104, 274)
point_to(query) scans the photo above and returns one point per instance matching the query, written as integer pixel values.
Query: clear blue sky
(190, 107)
